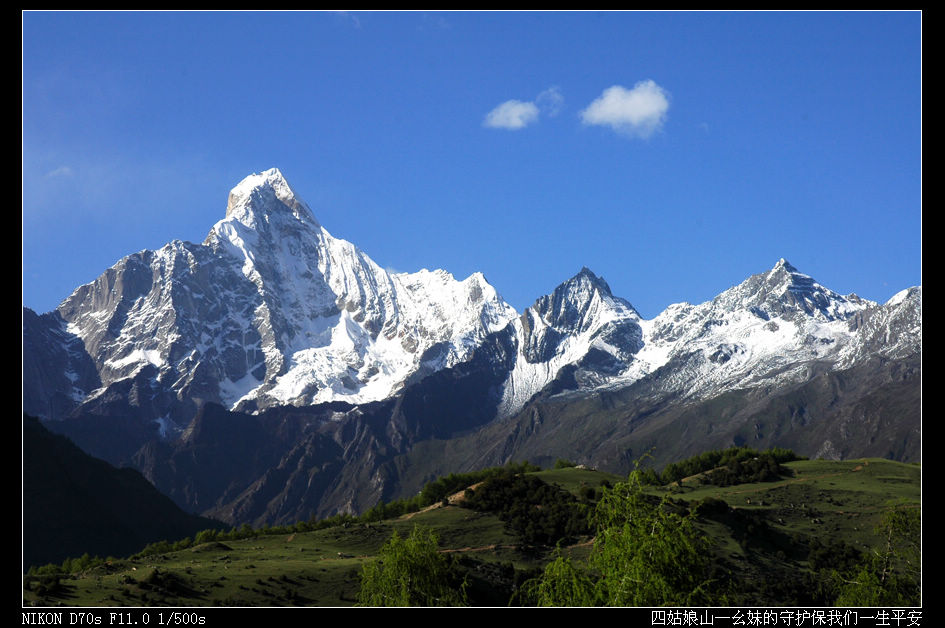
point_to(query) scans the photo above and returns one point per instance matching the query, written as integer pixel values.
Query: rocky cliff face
(774, 328)
(269, 310)
(580, 327)
(57, 371)
(273, 371)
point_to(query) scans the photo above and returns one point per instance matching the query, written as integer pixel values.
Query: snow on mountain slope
(773, 328)
(272, 309)
(580, 323)
(892, 330)
(772, 324)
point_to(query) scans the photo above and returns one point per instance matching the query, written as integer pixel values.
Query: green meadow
(784, 541)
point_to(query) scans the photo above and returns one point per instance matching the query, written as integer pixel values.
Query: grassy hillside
(772, 543)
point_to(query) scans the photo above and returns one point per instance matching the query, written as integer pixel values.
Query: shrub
(410, 572)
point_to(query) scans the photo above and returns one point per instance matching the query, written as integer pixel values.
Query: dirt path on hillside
(494, 546)
(454, 499)
(484, 548)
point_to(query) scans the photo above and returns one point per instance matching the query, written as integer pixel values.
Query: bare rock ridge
(327, 376)
(270, 310)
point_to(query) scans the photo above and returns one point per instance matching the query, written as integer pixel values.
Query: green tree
(645, 554)
(562, 584)
(890, 575)
(410, 572)
(206, 536)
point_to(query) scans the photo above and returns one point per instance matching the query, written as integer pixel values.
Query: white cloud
(516, 114)
(434, 21)
(512, 114)
(638, 112)
(550, 101)
(350, 16)
(61, 171)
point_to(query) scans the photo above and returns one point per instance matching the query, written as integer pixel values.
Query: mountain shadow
(75, 504)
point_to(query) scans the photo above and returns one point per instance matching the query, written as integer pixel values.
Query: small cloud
(550, 101)
(435, 22)
(350, 16)
(516, 114)
(512, 114)
(638, 112)
(61, 171)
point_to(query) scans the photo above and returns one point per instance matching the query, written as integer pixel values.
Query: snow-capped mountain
(579, 325)
(772, 325)
(270, 309)
(285, 373)
(770, 328)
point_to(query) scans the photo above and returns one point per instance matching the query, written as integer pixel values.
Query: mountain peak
(265, 193)
(784, 292)
(787, 277)
(579, 300)
(587, 277)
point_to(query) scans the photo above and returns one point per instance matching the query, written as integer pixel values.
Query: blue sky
(674, 154)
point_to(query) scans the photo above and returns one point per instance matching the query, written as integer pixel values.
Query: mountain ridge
(355, 367)
(75, 504)
(273, 310)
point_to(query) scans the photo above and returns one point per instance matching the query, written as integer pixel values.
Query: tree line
(433, 492)
(647, 549)
(734, 465)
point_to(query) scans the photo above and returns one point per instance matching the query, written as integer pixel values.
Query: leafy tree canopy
(645, 554)
(410, 572)
(891, 575)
